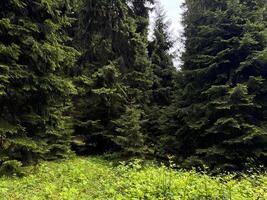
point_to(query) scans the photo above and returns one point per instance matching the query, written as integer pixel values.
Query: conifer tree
(140, 11)
(160, 52)
(113, 72)
(97, 77)
(35, 91)
(224, 98)
(128, 133)
(163, 85)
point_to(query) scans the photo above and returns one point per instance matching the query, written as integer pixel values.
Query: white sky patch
(174, 11)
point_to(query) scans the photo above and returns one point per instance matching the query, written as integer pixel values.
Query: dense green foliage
(223, 103)
(35, 91)
(113, 75)
(163, 83)
(81, 76)
(95, 179)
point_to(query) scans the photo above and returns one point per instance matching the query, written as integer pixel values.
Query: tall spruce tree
(140, 11)
(223, 105)
(35, 91)
(113, 73)
(128, 133)
(162, 59)
(97, 76)
(163, 83)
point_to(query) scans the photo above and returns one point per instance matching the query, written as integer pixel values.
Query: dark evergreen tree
(162, 59)
(98, 78)
(113, 72)
(35, 91)
(140, 11)
(223, 105)
(128, 133)
(138, 71)
(163, 84)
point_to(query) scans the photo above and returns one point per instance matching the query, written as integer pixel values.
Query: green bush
(96, 179)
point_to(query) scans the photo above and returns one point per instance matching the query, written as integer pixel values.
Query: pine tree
(97, 77)
(113, 71)
(137, 73)
(128, 133)
(163, 86)
(162, 59)
(140, 11)
(223, 103)
(35, 91)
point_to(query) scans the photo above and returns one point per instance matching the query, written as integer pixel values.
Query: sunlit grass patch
(96, 179)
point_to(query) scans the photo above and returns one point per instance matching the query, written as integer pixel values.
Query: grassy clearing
(96, 179)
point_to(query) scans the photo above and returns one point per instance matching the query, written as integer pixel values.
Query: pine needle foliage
(224, 79)
(113, 73)
(35, 91)
(161, 54)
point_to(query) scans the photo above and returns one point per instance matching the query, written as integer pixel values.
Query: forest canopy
(82, 77)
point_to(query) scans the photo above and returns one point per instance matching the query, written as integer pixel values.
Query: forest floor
(94, 178)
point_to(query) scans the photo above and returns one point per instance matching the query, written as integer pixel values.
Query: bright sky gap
(174, 11)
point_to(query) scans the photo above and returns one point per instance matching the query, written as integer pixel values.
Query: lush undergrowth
(96, 179)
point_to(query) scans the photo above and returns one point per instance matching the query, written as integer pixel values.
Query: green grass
(96, 179)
